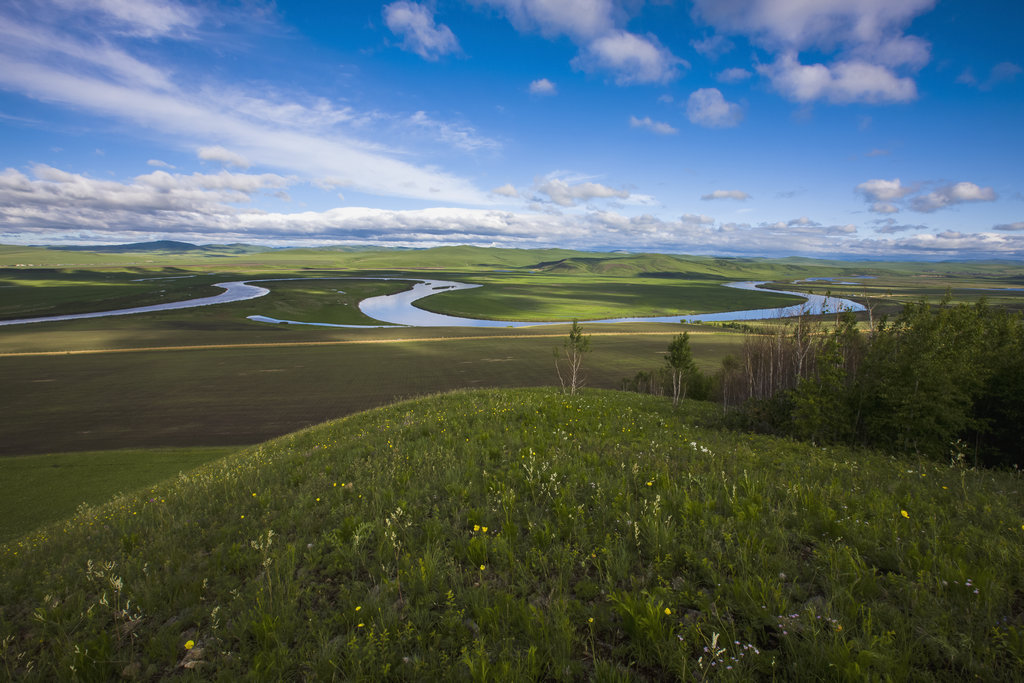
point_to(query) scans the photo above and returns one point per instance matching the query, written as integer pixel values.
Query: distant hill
(165, 247)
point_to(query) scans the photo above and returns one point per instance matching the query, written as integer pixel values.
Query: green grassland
(40, 489)
(231, 396)
(528, 535)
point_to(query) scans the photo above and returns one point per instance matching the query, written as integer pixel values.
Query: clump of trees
(935, 379)
(941, 381)
(679, 377)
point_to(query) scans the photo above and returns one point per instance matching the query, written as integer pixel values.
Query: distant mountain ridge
(165, 246)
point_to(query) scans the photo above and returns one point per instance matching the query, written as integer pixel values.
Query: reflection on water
(398, 309)
(233, 291)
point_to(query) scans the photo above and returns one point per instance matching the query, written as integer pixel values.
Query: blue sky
(869, 129)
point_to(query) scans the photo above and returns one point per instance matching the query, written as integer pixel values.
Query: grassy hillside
(523, 534)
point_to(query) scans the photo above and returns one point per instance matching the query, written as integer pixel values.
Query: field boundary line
(335, 342)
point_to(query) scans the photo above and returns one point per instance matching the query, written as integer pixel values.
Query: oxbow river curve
(398, 309)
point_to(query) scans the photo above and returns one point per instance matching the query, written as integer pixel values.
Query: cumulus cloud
(734, 75)
(840, 83)
(707, 107)
(889, 226)
(52, 206)
(652, 125)
(595, 27)
(506, 190)
(952, 194)
(564, 194)
(632, 58)
(57, 198)
(880, 190)
(223, 155)
(543, 86)
(579, 19)
(414, 23)
(697, 219)
(884, 207)
(726, 194)
(713, 46)
(867, 37)
(782, 24)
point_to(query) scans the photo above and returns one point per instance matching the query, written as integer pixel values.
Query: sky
(862, 129)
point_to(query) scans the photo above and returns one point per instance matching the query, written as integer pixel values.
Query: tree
(680, 365)
(570, 358)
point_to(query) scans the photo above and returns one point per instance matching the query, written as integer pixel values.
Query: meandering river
(398, 309)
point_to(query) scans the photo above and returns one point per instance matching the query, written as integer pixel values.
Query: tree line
(942, 381)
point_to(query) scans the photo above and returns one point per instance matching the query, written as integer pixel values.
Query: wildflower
(905, 514)
(476, 527)
(668, 611)
(360, 625)
(359, 607)
(483, 567)
(189, 644)
(590, 620)
(483, 529)
(650, 483)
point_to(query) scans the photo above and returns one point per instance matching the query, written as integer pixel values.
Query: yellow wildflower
(668, 611)
(905, 514)
(189, 644)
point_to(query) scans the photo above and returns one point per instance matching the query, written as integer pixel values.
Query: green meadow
(528, 535)
(193, 493)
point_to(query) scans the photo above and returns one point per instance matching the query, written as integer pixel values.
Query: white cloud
(146, 18)
(880, 190)
(57, 207)
(632, 58)
(707, 107)
(579, 19)
(840, 83)
(506, 190)
(801, 24)
(726, 194)
(713, 46)
(889, 226)
(223, 155)
(159, 164)
(734, 75)
(57, 198)
(543, 86)
(1003, 72)
(884, 207)
(595, 27)
(415, 24)
(1019, 225)
(261, 133)
(867, 35)
(564, 194)
(460, 137)
(952, 194)
(652, 125)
